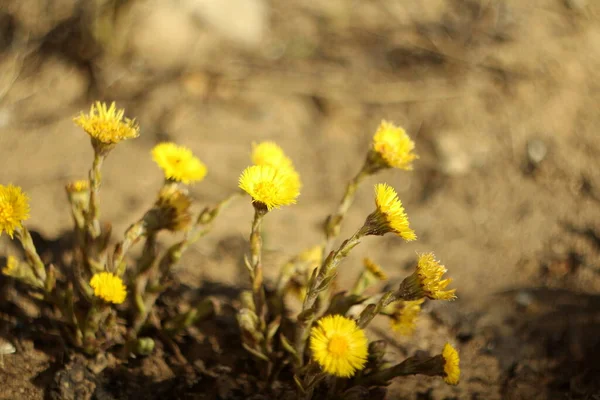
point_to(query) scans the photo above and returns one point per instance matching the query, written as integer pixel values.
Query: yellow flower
(451, 365)
(107, 125)
(11, 266)
(178, 163)
(108, 287)
(78, 186)
(14, 208)
(429, 272)
(405, 317)
(171, 211)
(394, 146)
(389, 215)
(270, 186)
(269, 153)
(374, 269)
(339, 345)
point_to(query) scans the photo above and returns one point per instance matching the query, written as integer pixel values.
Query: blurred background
(501, 97)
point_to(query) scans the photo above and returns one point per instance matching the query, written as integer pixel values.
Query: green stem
(320, 282)
(256, 271)
(132, 236)
(431, 366)
(334, 221)
(31, 253)
(372, 310)
(92, 223)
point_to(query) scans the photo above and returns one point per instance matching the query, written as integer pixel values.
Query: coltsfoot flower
(269, 153)
(178, 163)
(171, 211)
(339, 346)
(371, 274)
(451, 365)
(374, 269)
(389, 215)
(14, 209)
(107, 125)
(272, 187)
(108, 287)
(79, 186)
(393, 146)
(427, 281)
(405, 316)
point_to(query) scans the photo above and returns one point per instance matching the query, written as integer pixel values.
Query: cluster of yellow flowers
(337, 343)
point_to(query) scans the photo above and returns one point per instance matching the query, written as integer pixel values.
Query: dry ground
(502, 99)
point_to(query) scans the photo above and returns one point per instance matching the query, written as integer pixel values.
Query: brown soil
(501, 96)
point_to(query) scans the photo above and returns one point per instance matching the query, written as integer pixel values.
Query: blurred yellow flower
(269, 153)
(270, 186)
(78, 186)
(339, 346)
(429, 272)
(107, 124)
(172, 210)
(11, 266)
(108, 287)
(405, 316)
(391, 216)
(178, 163)
(451, 365)
(394, 146)
(14, 208)
(374, 269)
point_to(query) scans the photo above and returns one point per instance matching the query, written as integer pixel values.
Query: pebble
(536, 151)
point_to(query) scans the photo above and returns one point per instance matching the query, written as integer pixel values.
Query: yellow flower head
(429, 273)
(171, 211)
(14, 209)
(394, 146)
(451, 365)
(405, 316)
(374, 269)
(389, 215)
(269, 153)
(270, 186)
(339, 345)
(11, 266)
(108, 287)
(78, 186)
(107, 125)
(178, 163)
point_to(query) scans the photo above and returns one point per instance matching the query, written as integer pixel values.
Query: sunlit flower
(430, 275)
(405, 316)
(451, 365)
(389, 215)
(14, 208)
(374, 269)
(269, 153)
(394, 146)
(270, 186)
(107, 125)
(108, 287)
(12, 263)
(178, 163)
(339, 346)
(427, 281)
